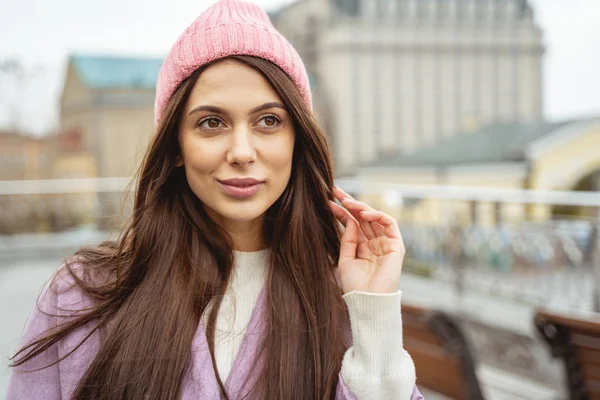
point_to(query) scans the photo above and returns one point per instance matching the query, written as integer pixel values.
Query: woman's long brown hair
(172, 260)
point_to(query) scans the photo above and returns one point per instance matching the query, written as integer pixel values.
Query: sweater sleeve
(34, 379)
(343, 393)
(376, 366)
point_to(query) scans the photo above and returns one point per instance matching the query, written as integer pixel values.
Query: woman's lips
(240, 191)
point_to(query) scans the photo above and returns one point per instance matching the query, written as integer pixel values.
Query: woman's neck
(248, 247)
(247, 236)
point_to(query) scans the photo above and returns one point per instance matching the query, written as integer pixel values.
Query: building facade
(107, 117)
(109, 103)
(400, 75)
(542, 156)
(26, 157)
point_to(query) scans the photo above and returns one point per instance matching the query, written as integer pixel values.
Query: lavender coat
(60, 380)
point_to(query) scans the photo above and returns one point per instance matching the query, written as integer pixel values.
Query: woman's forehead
(230, 82)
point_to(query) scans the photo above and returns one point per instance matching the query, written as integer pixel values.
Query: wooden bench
(442, 356)
(576, 341)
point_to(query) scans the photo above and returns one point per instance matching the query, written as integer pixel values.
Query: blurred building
(108, 103)
(72, 159)
(107, 117)
(541, 155)
(26, 157)
(394, 76)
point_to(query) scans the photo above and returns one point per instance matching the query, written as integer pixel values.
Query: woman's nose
(241, 150)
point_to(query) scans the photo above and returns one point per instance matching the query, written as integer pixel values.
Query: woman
(231, 279)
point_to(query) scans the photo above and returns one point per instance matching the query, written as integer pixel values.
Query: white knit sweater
(375, 367)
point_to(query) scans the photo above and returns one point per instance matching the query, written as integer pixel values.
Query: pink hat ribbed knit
(229, 27)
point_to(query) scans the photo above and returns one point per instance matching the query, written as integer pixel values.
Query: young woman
(232, 279)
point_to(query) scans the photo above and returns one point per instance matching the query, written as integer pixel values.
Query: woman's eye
(210, 123)
(269, 121)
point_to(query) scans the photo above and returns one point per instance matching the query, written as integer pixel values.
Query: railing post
(595, 243)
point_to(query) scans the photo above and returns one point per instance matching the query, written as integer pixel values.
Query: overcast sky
(43, 33)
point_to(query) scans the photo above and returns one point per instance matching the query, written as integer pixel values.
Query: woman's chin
(241, 213)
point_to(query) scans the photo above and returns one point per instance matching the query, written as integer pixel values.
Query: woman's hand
(371, 249)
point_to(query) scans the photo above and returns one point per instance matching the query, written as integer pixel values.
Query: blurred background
(476, 123)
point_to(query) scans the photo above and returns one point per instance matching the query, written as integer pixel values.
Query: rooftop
(496, 143)
(105, 72)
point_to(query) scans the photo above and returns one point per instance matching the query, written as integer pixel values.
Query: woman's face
(237, 140)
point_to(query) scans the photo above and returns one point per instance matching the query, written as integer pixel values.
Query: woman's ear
(179, 160)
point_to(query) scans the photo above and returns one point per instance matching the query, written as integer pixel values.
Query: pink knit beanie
(229, 27)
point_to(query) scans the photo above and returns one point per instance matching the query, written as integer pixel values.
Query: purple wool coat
(60, 380)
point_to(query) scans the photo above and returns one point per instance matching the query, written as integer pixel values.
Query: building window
(348, 7)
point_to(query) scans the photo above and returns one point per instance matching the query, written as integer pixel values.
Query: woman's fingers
(388, 223)
(349, 242)
(340, 194)
(378, 228)
(355, 207)
(339, 212)
(344, 217)
(373, 223)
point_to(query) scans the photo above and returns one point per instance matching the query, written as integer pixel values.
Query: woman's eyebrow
(219, 110)
(266, 106)
(214, 109)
